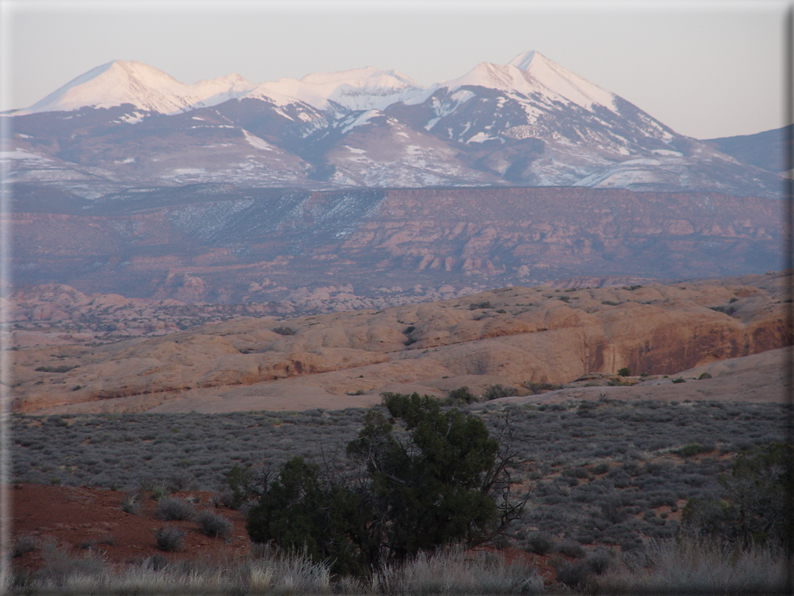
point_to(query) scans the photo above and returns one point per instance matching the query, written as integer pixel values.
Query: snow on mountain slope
(529, 122)
(532, 73)
(145, 87)
(357, 89)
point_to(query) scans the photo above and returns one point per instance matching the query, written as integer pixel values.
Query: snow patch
(133, 118)
(256, 142)
(361, 120)
(20, 154)
(667, 152)
(482, 137)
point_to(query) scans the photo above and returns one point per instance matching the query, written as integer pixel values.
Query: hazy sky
(705, 68)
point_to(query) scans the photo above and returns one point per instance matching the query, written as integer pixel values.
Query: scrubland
(605, 481)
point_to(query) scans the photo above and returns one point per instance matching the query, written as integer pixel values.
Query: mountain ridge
(530, 122)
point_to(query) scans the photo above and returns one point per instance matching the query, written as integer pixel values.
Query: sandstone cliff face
(510, 336)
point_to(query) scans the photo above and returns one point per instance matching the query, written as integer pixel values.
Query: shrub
(613, 510)
(704, 375)
(173, 509)
(57, 369)
(24, 545)
(169, 538)
(430, 484)
(284, 330)
(159, 492)
(299, 512)
(497, 391)
(573, 575)
(179, 480)
(536, 388)
(755, 506)
(691, 450)
(478, 305)
(679, 380)
(598, 560)
(213, 524)
(540, 543)
(624, 372)
(571, 548)
(461, 395)
(239, 480)
(130, 504)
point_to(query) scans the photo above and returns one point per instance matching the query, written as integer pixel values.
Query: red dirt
(77, 519)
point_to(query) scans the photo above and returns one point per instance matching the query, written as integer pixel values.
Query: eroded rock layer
(514, 336)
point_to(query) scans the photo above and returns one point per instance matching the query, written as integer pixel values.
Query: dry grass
(455, 571)
(701, 567)
(452, 571)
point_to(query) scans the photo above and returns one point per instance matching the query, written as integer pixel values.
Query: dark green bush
(300, 511)
(755, 507)
(430, 476)
(284, 330)
(624, 372)
(239, 480)
(57, 369)
(497, 391)
(691, 450)
(461, 395)
(478, 305)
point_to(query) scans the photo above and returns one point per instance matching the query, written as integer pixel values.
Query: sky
(706, 68)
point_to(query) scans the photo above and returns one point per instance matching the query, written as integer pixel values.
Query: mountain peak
(356, 89)
(523, 60)
(145, 87)
(531, 72)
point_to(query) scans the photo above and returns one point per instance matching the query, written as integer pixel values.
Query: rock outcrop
(513, 336)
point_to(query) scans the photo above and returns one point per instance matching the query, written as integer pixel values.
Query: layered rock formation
(314, 252)
(514, 336)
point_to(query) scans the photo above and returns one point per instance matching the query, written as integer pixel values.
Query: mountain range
(529, 122)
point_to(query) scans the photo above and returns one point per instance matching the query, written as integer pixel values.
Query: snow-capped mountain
(358, 89)
(144, 87)
(529, 122)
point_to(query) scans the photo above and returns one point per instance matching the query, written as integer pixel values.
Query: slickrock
(514, 336)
